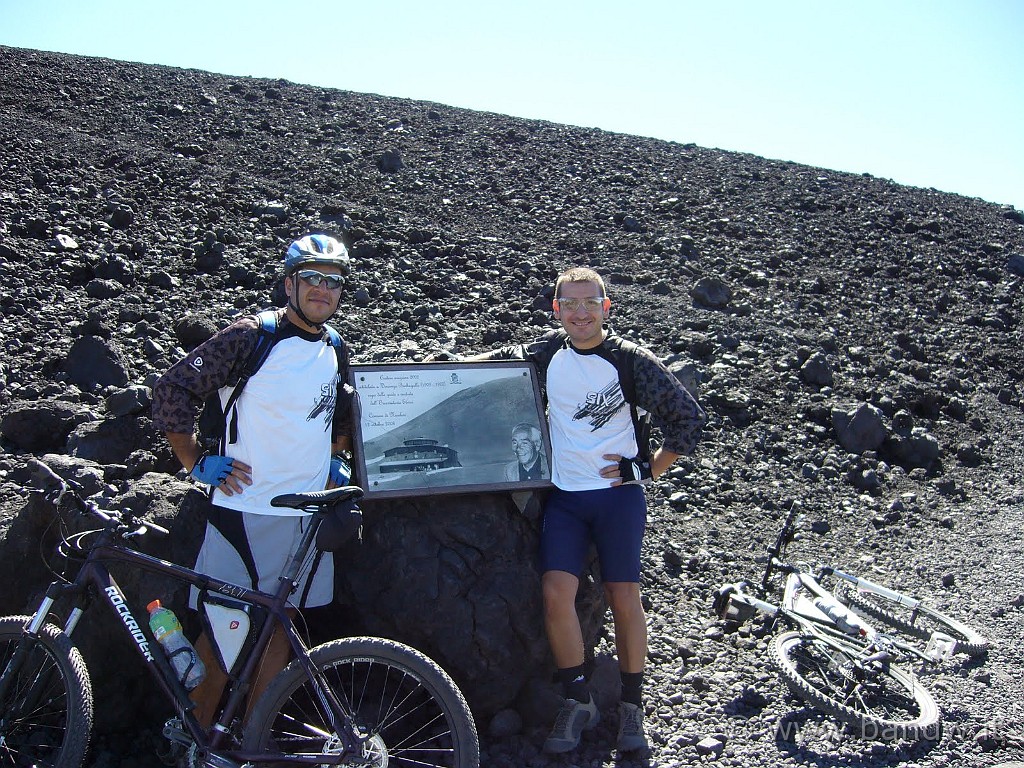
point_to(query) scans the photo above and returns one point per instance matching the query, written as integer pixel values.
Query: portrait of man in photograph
(530, 463)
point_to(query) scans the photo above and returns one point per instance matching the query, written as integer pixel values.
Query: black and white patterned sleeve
(180, 392)
(673, 409)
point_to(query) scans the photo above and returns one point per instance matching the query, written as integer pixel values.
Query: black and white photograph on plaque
(449, 427)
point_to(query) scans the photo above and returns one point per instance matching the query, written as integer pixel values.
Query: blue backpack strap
(268, 320)
(265, 341)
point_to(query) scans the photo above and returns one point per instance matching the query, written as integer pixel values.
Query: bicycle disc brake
(374, 752)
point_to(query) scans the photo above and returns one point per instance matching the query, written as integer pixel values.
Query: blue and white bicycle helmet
(315, 249)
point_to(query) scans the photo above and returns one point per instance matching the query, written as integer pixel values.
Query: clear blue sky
(925, 92)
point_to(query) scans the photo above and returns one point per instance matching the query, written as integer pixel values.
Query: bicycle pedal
(175, 733)
(941, 647)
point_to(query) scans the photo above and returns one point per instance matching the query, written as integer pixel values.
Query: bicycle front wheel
(919, 622)
(45, 698)
(410, 709)
(884, 703)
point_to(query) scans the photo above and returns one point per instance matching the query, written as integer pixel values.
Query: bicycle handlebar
(85, 506)
(776, 549)
(308, 502)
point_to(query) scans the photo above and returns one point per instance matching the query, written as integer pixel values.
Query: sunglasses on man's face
(313, 278)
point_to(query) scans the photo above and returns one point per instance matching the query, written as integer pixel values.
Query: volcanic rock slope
(857, 343)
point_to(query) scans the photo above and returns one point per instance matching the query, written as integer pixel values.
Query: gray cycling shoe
(631, 728)
(573, 718)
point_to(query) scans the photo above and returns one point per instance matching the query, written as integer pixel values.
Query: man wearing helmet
(280, 432)
(309, 307)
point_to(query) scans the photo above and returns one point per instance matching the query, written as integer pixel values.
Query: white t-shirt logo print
(600, 406)
(588, 417)
(324, 405)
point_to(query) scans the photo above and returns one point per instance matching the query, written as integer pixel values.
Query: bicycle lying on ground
(834, 660)
(361, 701)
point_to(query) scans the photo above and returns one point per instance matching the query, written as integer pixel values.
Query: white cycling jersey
(284, 423)
(588, 417)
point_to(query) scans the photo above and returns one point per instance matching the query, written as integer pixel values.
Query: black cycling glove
(635, 470)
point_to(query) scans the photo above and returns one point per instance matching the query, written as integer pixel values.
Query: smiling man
(596, 385)
(281, 427)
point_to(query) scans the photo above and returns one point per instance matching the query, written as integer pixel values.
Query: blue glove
(636, 471)
(212, 469)
(341, 472)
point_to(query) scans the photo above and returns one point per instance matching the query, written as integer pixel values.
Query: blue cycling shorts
(613, 519)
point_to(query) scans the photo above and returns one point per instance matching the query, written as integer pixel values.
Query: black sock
(574, 683)
(632, 685)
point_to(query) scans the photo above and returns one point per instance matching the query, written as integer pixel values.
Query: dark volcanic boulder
(916, 449)
(860, 429)
(192, 330)
(457, 578)
(41, 426)
(112, 441)
(93, 361)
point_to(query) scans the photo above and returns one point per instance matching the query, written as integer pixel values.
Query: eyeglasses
(591, 304)
(313, 278)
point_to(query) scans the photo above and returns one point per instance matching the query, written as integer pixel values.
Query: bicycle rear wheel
(412, 711)
(45, 698)
(918, 622)
(883, 704)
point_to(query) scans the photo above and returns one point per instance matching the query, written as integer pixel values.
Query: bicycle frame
(94, 575)
(776, 550)
(795, 609)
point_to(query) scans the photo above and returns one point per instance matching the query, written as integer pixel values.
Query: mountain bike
(359, 701)
(836, 661)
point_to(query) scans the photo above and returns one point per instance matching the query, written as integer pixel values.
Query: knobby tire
(882, 704)
(919, 623)
(46, 710)
(412, 711)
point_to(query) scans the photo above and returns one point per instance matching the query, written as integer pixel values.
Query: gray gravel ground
(132, 196)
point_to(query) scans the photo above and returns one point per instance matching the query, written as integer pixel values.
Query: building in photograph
(420, 454)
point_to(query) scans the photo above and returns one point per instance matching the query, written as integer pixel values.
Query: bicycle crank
(184, 752)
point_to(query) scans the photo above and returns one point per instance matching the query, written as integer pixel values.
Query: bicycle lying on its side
(360, 701)
(836, 661)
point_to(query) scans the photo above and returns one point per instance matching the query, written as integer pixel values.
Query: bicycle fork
(35, 692)
(7, 678)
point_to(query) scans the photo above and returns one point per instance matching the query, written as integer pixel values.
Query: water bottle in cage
(183, 657)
